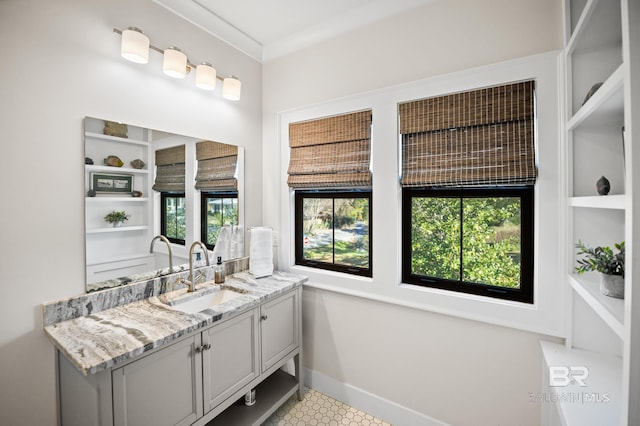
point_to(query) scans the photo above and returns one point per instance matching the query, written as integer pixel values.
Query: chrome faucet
(163, 238)
(191, 281)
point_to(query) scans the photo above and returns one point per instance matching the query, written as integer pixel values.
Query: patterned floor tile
(321, 410)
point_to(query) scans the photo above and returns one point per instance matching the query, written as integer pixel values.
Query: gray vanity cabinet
(160, 389)
(197, 380)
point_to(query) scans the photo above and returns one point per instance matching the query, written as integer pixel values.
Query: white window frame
(545, 315)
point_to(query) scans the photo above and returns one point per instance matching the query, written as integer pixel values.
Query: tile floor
(321, 410)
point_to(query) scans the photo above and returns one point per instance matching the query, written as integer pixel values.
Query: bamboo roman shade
(480, 137)
(216, 166)
(170, 169)
(332, 152)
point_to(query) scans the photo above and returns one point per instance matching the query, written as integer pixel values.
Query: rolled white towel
(261, 252)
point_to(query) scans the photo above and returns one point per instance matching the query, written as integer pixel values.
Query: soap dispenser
(219, 271)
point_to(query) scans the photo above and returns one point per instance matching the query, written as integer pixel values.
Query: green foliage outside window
(174, 220)
(333, 230)
(220, 211)
(337, 230)
(486, 250)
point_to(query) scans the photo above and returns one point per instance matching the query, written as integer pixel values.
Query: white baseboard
(365, 401)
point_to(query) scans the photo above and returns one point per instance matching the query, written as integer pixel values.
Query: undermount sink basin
(197, 304)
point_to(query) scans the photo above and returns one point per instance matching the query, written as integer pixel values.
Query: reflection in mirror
(137, 188)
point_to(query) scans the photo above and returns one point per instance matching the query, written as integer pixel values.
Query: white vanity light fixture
(206, 76)
(174, 63)
(135, 46)
(231, 88)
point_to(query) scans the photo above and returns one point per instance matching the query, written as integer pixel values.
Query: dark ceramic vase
(603, 186)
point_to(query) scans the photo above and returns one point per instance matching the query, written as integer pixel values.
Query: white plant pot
(612, 285)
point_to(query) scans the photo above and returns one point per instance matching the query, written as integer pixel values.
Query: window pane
(491, 243)
(318, 229)
(435, 237)
(175, 217)
(214, 219)
(351, 232)
(230, 211)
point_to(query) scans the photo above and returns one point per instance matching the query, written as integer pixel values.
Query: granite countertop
(96, 339)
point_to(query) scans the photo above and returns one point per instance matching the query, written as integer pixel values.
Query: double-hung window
(170, 182)
(329, 171)
(468, 180)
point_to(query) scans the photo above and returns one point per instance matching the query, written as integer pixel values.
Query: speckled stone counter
(99, 330)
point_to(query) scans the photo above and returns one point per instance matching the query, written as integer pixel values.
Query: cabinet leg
(298, 368)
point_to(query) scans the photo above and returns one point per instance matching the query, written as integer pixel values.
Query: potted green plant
(117, 217)
(608, 263)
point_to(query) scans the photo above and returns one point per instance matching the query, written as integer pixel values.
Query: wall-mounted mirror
(141, 183)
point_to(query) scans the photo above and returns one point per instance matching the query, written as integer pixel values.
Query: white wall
(60, 63)
(455, 370)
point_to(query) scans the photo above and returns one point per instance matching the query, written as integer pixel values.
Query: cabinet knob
(263, 318)
(207, 347)
(198, 349)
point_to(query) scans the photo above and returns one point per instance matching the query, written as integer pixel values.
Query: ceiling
(267, 29)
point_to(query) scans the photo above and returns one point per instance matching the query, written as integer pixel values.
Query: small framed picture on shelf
(108, 183)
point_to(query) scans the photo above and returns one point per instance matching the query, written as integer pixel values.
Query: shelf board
(615, 202)
(605, 106)
(115, 139)
(116, 170)
(270, 395)
(117, 229)
(101, 260)
(599, 27)
(107, 199)
(603, 382)
(610, 309)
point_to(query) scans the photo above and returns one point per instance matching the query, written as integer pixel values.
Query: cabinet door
(163, 388)
(279, 328)
(231, 361)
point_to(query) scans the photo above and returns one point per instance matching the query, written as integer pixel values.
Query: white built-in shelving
(602, 44)
(614, 202)
(117, 251)
(576, 406)
(118, 170)
(112, 229)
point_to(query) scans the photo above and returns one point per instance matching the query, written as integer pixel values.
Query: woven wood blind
(216, 166)
(332, 152)
(170, 175)
(480, 137)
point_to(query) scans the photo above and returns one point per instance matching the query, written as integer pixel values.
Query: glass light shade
(206, 76)
(174, 63)
(231, 88)
(134, 46)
